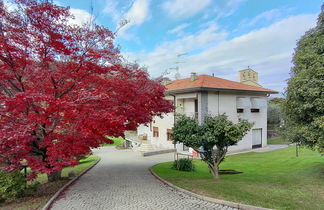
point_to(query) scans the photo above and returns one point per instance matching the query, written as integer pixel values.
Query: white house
(200, 95)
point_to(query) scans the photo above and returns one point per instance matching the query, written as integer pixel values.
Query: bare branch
(121, 25)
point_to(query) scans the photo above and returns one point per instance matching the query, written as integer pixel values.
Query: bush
(183, 164)
(12, 185)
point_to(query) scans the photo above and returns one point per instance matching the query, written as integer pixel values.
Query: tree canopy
(64, 87)
(304, 107)
(274, 112)
(211, 139)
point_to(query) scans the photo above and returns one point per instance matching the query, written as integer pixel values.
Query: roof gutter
(187, 90)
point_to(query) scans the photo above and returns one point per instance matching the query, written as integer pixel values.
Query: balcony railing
(190, 114)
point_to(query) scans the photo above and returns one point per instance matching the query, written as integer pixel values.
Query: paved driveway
(121, 180)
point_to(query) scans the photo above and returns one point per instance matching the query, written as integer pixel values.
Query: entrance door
(257, 138)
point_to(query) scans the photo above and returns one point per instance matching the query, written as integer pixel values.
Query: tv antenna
(177, 74)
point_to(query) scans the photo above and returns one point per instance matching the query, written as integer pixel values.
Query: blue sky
(215, 36)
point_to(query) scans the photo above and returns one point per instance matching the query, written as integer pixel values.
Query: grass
(278, 140)
(38, 199)
(275, 179)
(117, 141)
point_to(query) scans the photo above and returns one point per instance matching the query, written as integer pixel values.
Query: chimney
(165, 81)
(193, 76)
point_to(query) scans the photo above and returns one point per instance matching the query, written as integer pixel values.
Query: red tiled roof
(206, 81)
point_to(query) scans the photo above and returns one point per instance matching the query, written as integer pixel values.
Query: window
(169, 132)
(155, 132)
(255, 110)
(258, 103)
(240, 110)
(242, 103)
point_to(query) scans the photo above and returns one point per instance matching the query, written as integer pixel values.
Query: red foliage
(64, 87)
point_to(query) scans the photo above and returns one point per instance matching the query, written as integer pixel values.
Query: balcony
(189, 114)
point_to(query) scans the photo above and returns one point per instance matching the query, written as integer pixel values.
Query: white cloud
(268, 51)
(260, 45)
(179, 29)
(136, 15)
(117, 9)
(80, 16)
(184, 8)
(11, 6)
(111, 9)
(193, 42)
(165, 55)
(270, 15)
(267, 15)
(226, 8)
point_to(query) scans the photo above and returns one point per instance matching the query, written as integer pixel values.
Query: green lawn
(84, 164)
(36, 200)
(275, 179)
(117, 141)
(278, 140)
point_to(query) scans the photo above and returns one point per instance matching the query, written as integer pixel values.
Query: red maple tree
(64, 87)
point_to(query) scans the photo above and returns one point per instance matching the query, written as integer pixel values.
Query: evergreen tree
(304, 108)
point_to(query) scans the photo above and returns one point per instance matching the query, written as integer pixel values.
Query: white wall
(218, 103)
(225, 102)
(185, 105)
(189, 107)
(163, 123)
(213, 108)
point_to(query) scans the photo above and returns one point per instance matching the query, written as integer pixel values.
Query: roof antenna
(177, 74)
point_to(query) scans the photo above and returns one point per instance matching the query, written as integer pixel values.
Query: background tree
(275, 116)
(304, 108)
(211, 139)
(64, 87)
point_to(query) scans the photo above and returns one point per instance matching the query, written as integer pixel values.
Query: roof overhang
(197, 89)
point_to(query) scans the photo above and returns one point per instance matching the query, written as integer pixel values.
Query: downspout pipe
(174, 118)
(174, 102)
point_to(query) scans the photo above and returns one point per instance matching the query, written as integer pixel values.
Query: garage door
(256, 138)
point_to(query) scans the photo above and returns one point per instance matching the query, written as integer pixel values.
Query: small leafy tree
(304, 109)
(211, 139)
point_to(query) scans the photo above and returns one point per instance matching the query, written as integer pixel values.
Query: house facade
(203, 95)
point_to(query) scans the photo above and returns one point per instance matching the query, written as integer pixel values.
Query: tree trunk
(54, 176)
(214, 170)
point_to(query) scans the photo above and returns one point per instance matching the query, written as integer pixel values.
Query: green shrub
(32, 187)
(12, 185)
(183, 164)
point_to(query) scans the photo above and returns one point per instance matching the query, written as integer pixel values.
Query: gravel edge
(205, 198)
(51, 201)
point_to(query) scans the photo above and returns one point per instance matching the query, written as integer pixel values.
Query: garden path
(121, 180)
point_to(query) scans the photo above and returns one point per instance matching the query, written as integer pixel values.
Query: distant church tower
(249, 77)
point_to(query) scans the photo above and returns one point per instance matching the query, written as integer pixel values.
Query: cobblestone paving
(121, 180)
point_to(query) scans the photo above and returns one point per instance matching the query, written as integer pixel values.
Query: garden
(276, 179)
(39, 191)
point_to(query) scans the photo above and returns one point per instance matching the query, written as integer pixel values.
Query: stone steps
(146, 147)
